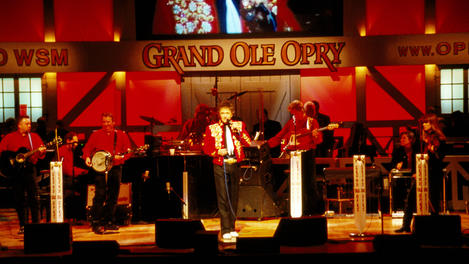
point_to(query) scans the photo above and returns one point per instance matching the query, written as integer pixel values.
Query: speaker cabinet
(438, 229)
(206, 242)
(305, 231)
(255, 245)
(259, 174)
(47, 237)
(177, 233)
(90, 249)
(256, 202)
(395, 243)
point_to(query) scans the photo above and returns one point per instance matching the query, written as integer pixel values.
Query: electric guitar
(299, 138)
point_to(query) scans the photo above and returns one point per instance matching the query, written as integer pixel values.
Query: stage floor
(140, 238)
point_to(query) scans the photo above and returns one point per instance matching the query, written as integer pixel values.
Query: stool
(339, 199)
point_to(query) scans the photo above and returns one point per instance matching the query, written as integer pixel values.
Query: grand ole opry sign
(234, 54)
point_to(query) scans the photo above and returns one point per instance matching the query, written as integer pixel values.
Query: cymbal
(236, 95)
(151, 120)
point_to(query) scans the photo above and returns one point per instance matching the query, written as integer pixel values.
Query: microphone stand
(170, 189)
(294, 130)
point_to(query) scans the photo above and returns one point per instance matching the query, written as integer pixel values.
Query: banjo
(102, 160)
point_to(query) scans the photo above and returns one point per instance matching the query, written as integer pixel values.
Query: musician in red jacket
(23, 171)
(299, 133)
(114, 142)
(224, 142)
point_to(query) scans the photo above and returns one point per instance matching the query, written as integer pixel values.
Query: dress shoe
(111, 227)
(226, 238)
(99, 230)
(402, 230)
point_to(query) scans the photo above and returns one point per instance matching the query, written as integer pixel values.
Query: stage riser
(177, 233)
(438, 229)
(47, 238)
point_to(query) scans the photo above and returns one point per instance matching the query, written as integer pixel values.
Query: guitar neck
(30, 153)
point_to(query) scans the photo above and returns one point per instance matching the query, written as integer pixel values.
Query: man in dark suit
(271, 128)
(325, 148)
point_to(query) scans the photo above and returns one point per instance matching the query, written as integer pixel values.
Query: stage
(136, 242)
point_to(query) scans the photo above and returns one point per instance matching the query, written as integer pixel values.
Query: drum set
(192, 145)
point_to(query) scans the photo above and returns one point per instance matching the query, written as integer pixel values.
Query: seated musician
(71, 176)
(403, 158)
(194, 128)
(299, 133)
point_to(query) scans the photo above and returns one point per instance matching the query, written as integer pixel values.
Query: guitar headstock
(55, 141)
(141, 148)
(335, 125)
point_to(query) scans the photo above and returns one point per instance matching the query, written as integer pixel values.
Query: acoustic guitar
(12, 160)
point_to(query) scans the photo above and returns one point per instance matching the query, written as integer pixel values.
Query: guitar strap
(115, 143)
(30, 141)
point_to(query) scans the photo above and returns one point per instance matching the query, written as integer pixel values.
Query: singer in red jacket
(224, 142)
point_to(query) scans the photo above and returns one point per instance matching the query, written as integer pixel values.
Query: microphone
(233, 128)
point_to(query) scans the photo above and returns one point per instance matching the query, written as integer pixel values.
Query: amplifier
(257, 151)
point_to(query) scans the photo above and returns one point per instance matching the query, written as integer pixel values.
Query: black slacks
(227, 188)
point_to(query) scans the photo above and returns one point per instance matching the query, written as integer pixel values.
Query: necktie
(229, 141)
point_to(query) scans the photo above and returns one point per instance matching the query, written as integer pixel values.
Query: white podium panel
(56, 192)
(359, 192)
(421, 178)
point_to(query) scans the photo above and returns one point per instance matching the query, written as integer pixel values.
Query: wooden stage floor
(140, 238)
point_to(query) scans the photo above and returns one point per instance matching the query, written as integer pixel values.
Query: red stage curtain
(392, 17)
(335, 92)
(71, 87)
(451, 16)
(84, 20)
(21, 20)
(409, 80)
(153, 94)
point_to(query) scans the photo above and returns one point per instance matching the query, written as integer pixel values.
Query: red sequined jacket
(214, 140)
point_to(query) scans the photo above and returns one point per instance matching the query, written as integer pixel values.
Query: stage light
(117, 35)
(49, 36)
(430, 28)
(362, 30)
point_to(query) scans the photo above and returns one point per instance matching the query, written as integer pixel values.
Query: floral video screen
(170, 18)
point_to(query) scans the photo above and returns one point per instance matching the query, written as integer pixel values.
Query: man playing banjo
(103, 152)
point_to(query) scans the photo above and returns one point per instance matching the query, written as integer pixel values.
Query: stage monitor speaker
(395, 243)
(438, 229)
(91, 249)
(256, 245)
(177, 233)
(256, 202)
(304, 231)
(47, 238)
(206, 242)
